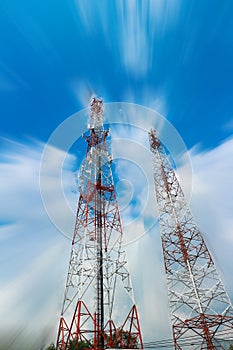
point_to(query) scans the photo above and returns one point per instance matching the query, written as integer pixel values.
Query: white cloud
(137, 29)
(141, 27)
(33, 253)
(35, 256)
(81, 91)
(149, 282)
(212, 202)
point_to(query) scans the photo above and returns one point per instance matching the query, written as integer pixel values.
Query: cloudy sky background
(174, 57)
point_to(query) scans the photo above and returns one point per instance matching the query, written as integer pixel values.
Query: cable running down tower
(200, 307)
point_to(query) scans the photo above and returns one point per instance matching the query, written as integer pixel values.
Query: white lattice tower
(97, 266)
(200, 307)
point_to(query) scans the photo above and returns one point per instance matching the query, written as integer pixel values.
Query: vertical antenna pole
(100, 281)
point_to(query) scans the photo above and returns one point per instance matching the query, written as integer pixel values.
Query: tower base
(85, 333)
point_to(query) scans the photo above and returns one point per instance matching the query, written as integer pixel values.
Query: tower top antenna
(96, 113)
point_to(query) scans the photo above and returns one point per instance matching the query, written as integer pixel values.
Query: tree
(120, 339)
(231, 347)
(128, 340)
(78, 344)
(123, 339)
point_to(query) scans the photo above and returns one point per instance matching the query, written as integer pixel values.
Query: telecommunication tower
(201, 311)
(97, 265)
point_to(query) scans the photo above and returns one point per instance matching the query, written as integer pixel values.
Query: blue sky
(172, 56)
(179, 53)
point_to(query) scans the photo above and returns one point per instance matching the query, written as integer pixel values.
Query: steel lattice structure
(97, 262)
(200, 307)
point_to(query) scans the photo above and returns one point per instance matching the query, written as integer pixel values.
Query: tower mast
(97, 266)
(199, 304)
(96, 118)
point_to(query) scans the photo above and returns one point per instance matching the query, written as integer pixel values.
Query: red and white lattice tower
(201, 311)
(97, 266)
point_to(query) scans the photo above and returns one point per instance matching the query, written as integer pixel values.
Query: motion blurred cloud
(36, 263)
(139, 25)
